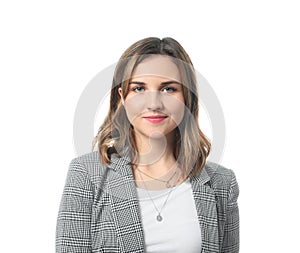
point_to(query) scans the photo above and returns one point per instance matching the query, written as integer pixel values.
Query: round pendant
(159, 218)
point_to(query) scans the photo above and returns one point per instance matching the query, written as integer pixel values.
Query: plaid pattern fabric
(99, 209)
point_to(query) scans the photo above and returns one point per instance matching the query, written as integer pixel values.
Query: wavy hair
(116, 134)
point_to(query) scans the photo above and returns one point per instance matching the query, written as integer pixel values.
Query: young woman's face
(155, 102)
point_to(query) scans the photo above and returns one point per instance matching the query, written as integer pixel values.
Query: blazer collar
(120, 164)
(205, 202)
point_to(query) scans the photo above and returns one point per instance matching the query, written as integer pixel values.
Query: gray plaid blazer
(99, 209)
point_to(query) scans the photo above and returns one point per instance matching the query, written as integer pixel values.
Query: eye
(138, 89)
(168, 89)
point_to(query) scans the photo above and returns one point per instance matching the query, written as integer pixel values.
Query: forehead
(159, 66)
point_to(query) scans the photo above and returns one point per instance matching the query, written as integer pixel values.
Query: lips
(155, 118)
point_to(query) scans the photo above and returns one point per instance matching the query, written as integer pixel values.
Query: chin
(157, 134)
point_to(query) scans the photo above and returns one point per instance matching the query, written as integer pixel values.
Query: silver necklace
(159, 217)
(164, 181)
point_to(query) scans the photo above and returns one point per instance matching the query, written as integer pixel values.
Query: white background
(247, 50)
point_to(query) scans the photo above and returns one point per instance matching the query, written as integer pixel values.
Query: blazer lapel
(207, 211)
(125, 206)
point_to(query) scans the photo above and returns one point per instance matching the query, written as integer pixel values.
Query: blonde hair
(116, 133)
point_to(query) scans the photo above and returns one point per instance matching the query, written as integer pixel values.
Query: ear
(121, 95)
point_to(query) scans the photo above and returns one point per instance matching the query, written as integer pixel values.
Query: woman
(148, 187)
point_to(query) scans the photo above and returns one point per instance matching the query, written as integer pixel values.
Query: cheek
(175, 106)
(133, 106)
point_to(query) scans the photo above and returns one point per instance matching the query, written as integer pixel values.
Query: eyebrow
(161, 84)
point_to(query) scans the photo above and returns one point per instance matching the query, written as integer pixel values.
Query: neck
(156, 160)
(155, 152)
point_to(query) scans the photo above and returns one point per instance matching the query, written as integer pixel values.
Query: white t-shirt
(179, 231)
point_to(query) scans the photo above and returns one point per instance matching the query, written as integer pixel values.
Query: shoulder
(88, 164)
(88, 159)
(218, 174)
(222, 180)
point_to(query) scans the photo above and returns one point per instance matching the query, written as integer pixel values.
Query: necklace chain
(159, 217)
(164, 181)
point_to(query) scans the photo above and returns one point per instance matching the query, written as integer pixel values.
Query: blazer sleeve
(73, 229)
(231, 230)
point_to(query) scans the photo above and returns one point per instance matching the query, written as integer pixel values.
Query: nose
(153, 100)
